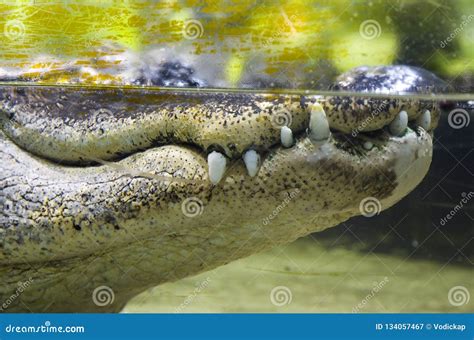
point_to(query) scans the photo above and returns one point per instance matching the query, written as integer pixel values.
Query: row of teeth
(318, 131)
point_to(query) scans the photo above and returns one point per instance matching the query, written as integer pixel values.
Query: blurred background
(417, 258)
(297, 44)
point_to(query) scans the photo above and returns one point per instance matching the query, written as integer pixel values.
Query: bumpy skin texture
(108, 123)
(128, 224)
(120, 122)
(351, 114)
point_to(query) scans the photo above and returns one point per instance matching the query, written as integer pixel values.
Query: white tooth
(252, 162)
(399, 124)
(216, 163)
(424, 120)
(368, 145)
(318, 123)
(286, 136)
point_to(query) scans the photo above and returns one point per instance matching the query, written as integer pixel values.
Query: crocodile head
(127, 189)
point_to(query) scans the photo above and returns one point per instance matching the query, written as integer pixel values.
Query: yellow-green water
(318, 279)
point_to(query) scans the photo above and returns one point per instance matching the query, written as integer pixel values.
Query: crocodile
(108, 191)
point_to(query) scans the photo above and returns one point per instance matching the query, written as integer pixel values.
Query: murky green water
(316, 279)
(300, 45)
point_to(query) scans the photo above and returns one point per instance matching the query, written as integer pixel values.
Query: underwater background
(415, 257)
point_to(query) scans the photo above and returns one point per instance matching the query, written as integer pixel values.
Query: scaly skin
(129, 224)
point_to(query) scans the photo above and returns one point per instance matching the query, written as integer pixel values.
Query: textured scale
(124, 221)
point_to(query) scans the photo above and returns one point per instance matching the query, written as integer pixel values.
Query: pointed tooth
(368, 145)
(252, 162)
(399, 124)
(424, 120)
(216, 163)
(286, 137)
(318, 123)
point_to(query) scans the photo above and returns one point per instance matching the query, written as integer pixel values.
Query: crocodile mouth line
(314, 126)
(73, 129)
